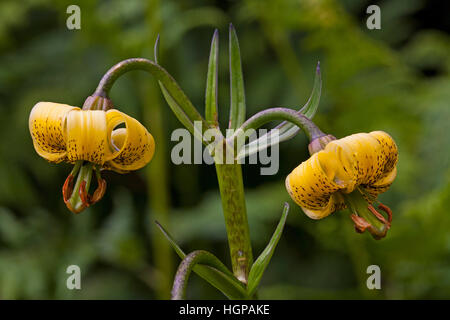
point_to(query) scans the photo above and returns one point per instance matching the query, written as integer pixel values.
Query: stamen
(84, 196)
(77, 197)
(67, 188)
(386, 209)
(365, 216)
(100, 191)
(360, 223)
(379, 215)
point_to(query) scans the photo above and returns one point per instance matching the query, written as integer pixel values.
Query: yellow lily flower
(349, 172)
(92, 139)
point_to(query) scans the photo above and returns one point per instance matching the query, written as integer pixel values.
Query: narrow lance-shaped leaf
(175, 98)
(260, 265)
(310, 108)
(221, 278)
(287, 130)
(211, 112)
(237, 93)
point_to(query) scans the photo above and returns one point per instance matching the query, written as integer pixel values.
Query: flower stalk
(231, 188)
(273, 114)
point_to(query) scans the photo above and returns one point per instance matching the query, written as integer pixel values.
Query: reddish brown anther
(379, 216)
(360, 223)
(76, 195)
(67, 191)
(387, 210)
(67, 188)
(86, 198)
(100, 191)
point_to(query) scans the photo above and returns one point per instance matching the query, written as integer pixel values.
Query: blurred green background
(395, 79)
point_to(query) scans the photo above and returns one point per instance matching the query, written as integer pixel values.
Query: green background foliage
(395, 79)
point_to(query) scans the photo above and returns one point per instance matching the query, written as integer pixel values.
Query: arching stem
(180, 104)
(274, 114)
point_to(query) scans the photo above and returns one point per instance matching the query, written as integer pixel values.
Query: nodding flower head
(92, 140)
(348, 173)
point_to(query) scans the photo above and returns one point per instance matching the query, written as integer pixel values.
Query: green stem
(235, 213)
(186, 267)
(187, 109)
(274, 114)
(222, 279)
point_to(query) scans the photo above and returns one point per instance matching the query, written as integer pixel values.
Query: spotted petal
(86, 136)
(132, 147)
(47, 124)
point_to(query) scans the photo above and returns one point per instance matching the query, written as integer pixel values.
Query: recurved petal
(388, 151)
(132, 147)
(86, 136)
(336, 162)
(382, 185)
(47, 124)
(335, 203)
(312, 188)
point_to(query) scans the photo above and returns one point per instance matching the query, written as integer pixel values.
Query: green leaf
(172, 242)
(237, 108)
(263, 260)
(216, 274)
(176, 109)
(287, 130)
(156, 49)
(310, 108)
(177, 100)
(211, 114)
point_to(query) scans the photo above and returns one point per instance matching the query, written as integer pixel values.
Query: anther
(386, 209)
(360, 223)
(67, 188)
(380, 216)
(100, 191)
(84, 196)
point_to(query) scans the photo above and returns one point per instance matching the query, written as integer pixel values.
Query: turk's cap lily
(349, 172)
(90, 139)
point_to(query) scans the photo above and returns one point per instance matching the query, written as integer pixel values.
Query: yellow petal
(86, 136)
(312, 188)
(388, 152)
(335, 203)
(338, 165)
(47, 128)
(132, 147)
(382, 185)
